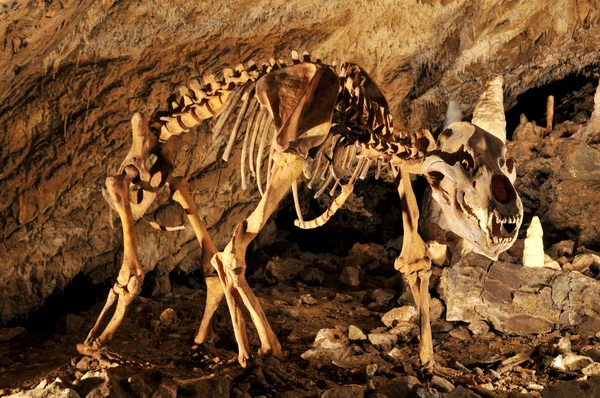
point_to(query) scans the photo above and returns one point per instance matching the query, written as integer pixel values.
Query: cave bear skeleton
(330, 126)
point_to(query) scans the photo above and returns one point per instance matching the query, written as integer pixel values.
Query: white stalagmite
(533, 252)
(489, 111)
(592, 128)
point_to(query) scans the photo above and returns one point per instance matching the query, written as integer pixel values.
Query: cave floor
(158, 357)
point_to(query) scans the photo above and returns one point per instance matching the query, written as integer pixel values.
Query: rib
(297, 201)
(316, 172)
(257, 126)
(253, 114)
(226, 112)
(324, 186)
(238, 122)
(261, 148)
(365, 169)
(331, 210)
(270, 162)
(332, 192)
(161, 227)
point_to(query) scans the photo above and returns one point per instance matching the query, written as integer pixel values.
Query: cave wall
(73, 72)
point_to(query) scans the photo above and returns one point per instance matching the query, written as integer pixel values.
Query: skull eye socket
(465, 165)
(435, 177)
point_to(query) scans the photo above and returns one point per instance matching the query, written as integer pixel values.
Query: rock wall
(73, 72)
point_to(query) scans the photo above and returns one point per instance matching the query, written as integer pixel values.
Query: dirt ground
(157, 358)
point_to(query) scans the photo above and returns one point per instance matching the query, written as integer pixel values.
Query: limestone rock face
(520, 300)
(72, 74)
(560, 182)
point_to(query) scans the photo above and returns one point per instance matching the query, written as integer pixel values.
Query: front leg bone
(415, 264)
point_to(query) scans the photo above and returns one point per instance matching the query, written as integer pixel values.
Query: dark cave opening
(572, 94)
(80, 294)
(381, 223)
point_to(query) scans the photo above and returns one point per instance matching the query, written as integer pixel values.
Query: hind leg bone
(231, 264)
(131, 275)
(214, 293)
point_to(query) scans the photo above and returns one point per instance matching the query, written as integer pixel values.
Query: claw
(453, 375)
(105, 358)
(208, 352)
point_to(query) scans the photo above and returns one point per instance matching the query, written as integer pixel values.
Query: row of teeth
(501, 219)
(497, 239)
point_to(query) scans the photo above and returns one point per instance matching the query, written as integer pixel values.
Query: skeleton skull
(472, 182)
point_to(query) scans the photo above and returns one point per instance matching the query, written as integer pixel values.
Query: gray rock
(461, 392)
(212, 387)
(571, 362)
(581, 161)
(44, 390)
(441, 384)
(354, 333)
(395, 353)
(592, 370)
(383, 341)
(562, 248)
(402, 386)
(402, 328)
(291, 312)
(74, 324)
(7, 334)
(368, 256)
(329, 344)
(86, 363)
(441, 326)
(406, 313)
(350, 276)
(312, 276)
(140, 386)
(285, 269)
(100, 384)
(383, 296)
(168, 317)
(308, 299)
(460, 333)
(427, 392)
(343, 297)
(160, 285)
(520, 300)
(583, 262)
(347, 391)
(592, 352)
(573, 388)
(371, 369)
(436, 308)
(479, 328)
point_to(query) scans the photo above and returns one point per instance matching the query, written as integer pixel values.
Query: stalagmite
(533, 253)
(549, 113)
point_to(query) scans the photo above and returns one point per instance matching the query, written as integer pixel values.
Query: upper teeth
(502, 219)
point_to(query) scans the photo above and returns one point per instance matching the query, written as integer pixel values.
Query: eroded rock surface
(72, 73)
(520, 300)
